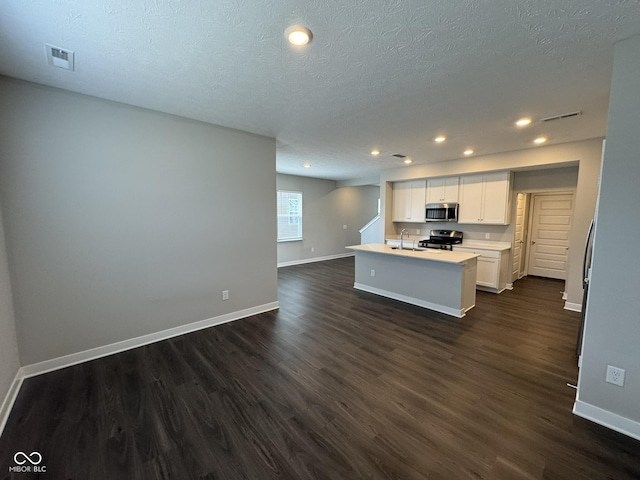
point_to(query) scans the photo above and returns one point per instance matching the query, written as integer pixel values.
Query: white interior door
(518, 237)
(549, 235)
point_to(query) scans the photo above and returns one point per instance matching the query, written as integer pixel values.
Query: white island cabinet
(435, 279)
(484, 198)
(409, 201)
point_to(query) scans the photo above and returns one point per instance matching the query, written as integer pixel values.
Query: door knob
(533, 242)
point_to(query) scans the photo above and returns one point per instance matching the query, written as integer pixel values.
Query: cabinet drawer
(479, 251)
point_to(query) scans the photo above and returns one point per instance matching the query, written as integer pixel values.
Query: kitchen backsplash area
(497, 233)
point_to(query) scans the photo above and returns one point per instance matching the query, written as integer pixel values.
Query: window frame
(298, 216)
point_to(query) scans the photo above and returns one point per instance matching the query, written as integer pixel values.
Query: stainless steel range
(442, 239)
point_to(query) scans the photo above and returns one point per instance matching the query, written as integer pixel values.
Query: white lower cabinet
(493, 268)
(488, 272)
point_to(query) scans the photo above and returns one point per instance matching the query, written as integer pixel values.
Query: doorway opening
(541, 234)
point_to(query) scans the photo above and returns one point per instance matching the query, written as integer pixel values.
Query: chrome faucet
(402, 232)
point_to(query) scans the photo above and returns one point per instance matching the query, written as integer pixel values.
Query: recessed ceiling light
(375, 152)
(468, 151)
(298, 35)
(307, 165)
(440, 139)
(540, 140)
(408, 160)
(523, 122)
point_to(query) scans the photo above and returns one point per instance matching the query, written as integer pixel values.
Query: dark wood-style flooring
(337, 384)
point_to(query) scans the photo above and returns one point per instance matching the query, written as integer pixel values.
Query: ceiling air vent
(399, 155)
(560, 117)
(59, 57)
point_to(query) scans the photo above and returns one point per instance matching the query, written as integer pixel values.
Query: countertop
(485, 245)
(426, 254)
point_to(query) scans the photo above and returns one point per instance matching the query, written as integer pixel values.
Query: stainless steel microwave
(441, 212)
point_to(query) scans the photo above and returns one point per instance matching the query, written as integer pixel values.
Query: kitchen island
(439, 280)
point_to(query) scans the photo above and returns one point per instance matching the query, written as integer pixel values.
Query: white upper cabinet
(442, 190)
(484, 198)
(409, 201)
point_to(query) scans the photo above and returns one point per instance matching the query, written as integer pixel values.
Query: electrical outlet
(417, 231)
(313, 249)
(615, 375)
(373, 272)
(344, 227)
(487, 236)
(225, 295)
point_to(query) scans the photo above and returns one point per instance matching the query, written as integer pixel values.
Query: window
(289, 216)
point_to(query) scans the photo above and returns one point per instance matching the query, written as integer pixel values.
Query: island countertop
(428, 254)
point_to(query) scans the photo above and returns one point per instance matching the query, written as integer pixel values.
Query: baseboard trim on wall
(620, 424)
(315, 259)
(10, 398)
(574, 307)
(454, 312)
(98, 352)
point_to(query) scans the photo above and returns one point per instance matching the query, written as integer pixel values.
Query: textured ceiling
(389, 74)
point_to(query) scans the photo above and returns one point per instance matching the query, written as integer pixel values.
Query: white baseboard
(620, 424)
(10, 398)
(315, 259)
(454, 312)
(574, 307)
(91, 354)
(509, 286)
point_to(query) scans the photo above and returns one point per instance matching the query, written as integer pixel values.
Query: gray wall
(121, 222)
(585, 154)
(612, 334)
(325, 209)
(9, 361)
(542, 180)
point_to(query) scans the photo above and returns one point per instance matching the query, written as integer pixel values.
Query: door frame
(530, 198)
(522, 268)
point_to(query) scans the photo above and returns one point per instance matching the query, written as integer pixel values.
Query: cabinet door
(408, 201)
(471, 199)
(435, 190)
(418, 193)
(442, 190)
(451, 189)
(488, 272)
(401, 201)
(496, 198)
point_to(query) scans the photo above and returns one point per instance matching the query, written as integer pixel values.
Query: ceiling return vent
(560, 117)
(59, 57)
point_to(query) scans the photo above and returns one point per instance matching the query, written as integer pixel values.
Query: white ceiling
(389, 74)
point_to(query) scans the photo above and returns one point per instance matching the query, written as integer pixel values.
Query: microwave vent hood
(441, 212)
